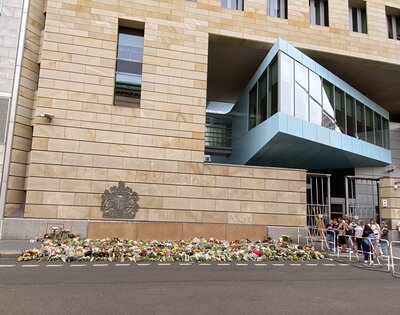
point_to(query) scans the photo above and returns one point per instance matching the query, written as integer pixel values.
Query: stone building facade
(59, 167)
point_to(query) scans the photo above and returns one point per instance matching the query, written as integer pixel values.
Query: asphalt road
(100, 288)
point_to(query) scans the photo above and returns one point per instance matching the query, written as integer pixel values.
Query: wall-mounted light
(49, 116)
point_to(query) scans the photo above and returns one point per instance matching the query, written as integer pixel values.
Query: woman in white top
(358, 232)
(377, 233)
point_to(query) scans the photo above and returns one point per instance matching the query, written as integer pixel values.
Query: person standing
(367, 244)
(330, 235)
(358, 234)
(377, 233)
(384, 237)
(342, 235)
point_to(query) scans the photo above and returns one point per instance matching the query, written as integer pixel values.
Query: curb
(9, 254)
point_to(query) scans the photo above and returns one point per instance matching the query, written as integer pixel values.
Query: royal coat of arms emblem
(119, 202)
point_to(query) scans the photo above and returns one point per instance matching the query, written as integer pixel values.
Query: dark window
(360, 121)
(393, 23)
(319, 12)
(273, 87)
(277, 8)
(378, 130)
(339, 110)
(128, 75)
(263, 97)
(253, 107)
(369, 125)
(386, 143)
(358, 17)
(350, 116)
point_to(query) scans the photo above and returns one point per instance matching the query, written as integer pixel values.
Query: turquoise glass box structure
(295, 113)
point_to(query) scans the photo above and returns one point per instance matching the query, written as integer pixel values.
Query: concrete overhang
(286, 141)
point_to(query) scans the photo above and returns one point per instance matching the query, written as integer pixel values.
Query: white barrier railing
(395, 258)
(384, 254)
(390, 255)
(351, 249)
(312, 236)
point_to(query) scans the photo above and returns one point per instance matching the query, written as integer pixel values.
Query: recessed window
(277, 8)
(319, 12)
(233, 4)
(393, 22)
(128, 75)
(358, 16)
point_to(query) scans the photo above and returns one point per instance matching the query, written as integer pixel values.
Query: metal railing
(395, 258)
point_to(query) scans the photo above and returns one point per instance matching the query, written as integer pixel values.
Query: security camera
(49, 116)
(391, 168)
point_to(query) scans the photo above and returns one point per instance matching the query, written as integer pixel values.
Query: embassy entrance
(337, 195)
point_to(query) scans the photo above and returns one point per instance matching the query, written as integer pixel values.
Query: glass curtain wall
(263, 97)
(307, 96)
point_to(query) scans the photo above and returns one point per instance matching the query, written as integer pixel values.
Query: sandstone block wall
(64, 165)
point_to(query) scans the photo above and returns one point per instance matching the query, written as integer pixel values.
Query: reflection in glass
(315, 113)
(360, 121)
(386, 143)
(273, 87)
(369, 125)
(253, 107)
(328, 121)
(350, 116)
(378, 130)
(128, 73)
(327, 98)
(301, 75)
(286, 86)
(339, 110)
(130, 47)
(301, 107)
(263, 97)
(315, 87)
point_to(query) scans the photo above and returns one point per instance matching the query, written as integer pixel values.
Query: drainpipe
(12, 113)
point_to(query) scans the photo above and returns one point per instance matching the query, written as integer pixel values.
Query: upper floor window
(233, 4)
(128, 76)
(358, 16)
(393, 22)
(277, 8)
(319, 12)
